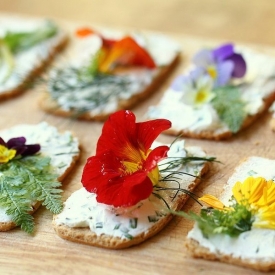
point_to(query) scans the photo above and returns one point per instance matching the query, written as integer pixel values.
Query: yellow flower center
(201, 96)
(212, 71)
(130, 167)
(6, 154)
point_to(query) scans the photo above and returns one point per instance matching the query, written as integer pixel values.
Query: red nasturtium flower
(124, 169)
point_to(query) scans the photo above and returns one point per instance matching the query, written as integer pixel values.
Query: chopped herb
(128, 236)
(124, 230)
(117, 226)
(133, 222)
(152, 218)
(99, 225)
(252, 173)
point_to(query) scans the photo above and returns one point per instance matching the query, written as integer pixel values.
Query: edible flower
(221, 64)
(122, 52)
(15, 147)
(124, 169)
(196, 87)
(257, 195)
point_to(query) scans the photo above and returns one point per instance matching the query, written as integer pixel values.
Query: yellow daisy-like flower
(6, 154)
(250, 191)
(257, 194)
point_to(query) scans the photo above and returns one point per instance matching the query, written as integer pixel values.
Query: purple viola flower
(221, 64)
(19, 144)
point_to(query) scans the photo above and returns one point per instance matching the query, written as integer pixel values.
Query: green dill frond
(181, 161)
(230, 107)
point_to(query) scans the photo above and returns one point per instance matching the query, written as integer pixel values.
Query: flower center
(201, 96)
(6, 154)
(212, 71)
(130, 167)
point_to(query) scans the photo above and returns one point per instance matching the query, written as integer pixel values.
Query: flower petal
(31, 150)
(213, 202)
(223, 52)
(16, 142)
(103, 176)
(224, 73)
(126, 191)
(148, 131)
(126, 52)
(126, 138)
(239, 65)
(203, 58)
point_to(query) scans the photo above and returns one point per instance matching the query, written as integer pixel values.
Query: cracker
(247, 254)
(29, 63)
(141, 81)
(62, 148)
(121, 235)
(203, 122)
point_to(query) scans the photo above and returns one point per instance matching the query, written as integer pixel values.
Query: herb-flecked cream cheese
(252, 245)
(82, 210)
(60, 147)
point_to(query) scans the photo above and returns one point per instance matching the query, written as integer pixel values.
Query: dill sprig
(180, 161)
(23, 183)
(174, 176)
(81, 91)
(229, 106)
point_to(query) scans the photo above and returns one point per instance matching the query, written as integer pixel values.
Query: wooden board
(46, 253)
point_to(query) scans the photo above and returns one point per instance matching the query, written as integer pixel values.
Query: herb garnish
(82, 92)
(213, 221)
(23, 183)
(14, 42)
(229, 106)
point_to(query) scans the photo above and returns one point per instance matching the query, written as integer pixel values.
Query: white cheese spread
(253, 245)
(258, 84)
(60, 147)
(106, 96)
(82, 210)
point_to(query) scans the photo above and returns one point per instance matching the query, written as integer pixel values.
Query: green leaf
(14, 42)
(24, 182)
(212, 221)
(18, 41)
(230, 107)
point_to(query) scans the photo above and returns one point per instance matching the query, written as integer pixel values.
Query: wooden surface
(45, 253)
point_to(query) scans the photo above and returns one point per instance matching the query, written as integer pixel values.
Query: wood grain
(46, 253)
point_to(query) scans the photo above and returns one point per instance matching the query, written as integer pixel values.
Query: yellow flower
(257, 194)
(249, 191)
(6, 154)
(213, 202)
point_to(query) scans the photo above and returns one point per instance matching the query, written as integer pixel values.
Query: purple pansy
(19, 144)
(221, 64)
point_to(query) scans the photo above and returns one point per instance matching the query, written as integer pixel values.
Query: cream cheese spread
(28, 60)
(82, 210)
(258, 84)
(256, 244)
(104, 97)
(60, 147)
